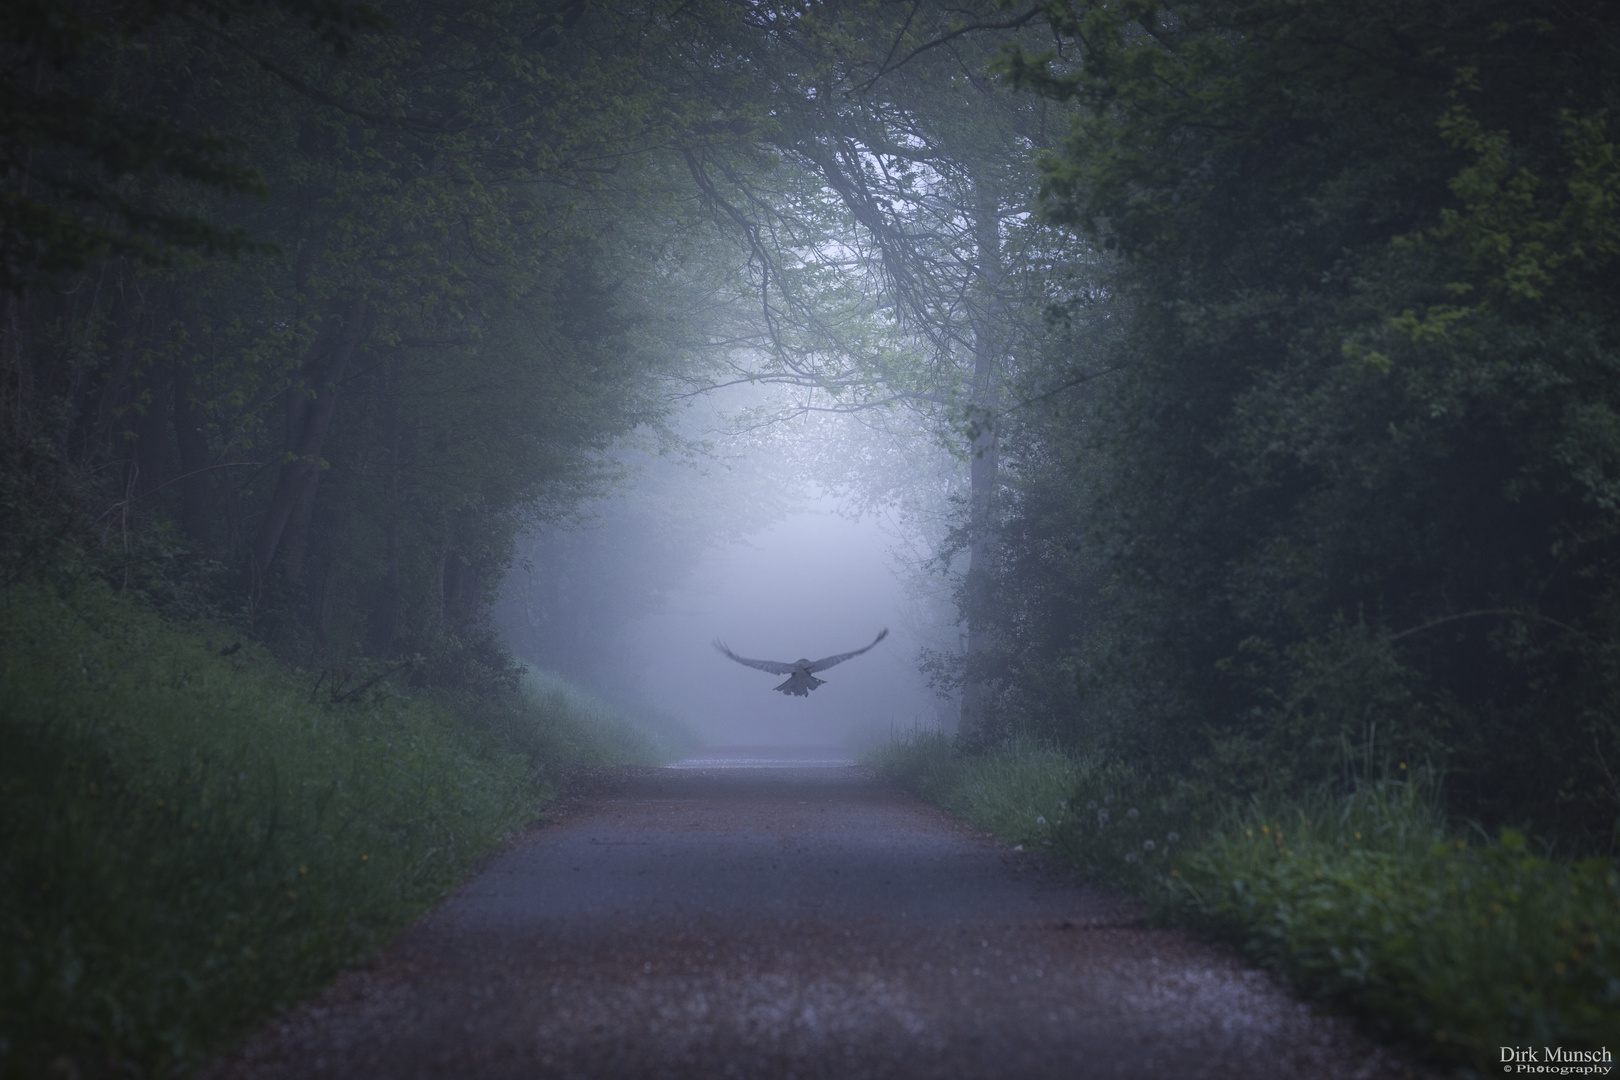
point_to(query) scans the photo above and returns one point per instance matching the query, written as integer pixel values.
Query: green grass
(188, 839)
(1365, 896)
(1015, 791)
(561, 724)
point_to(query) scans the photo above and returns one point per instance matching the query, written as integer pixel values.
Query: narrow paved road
(802, 920)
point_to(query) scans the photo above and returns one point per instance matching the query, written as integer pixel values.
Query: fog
(799, 537)
(812, 585)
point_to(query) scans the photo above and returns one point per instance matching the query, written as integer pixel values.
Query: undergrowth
(558, 724)
(1362, 893)
(191, 834)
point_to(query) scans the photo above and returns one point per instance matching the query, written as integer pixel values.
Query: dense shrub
(1360, 893)
(1351, 461)
(191, 834)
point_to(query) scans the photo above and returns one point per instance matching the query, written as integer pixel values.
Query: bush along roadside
(191, 834)
(1362, 896)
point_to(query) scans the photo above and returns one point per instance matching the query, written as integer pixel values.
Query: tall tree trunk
(975, 722)
(310, 401)
(384, 628)
(325, 601)
(16, 378)
(323, 595)
(113, 393)
(191, 440)
(149, 432)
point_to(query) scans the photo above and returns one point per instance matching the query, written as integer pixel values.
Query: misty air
(613, 539)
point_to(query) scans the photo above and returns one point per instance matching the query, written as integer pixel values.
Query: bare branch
(1013, 23)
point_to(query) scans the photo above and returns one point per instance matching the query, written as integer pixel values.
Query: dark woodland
(1276, 346)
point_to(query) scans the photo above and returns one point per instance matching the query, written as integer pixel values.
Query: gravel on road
(796, 919)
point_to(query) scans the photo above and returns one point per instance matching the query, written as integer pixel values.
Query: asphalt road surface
(772, 914)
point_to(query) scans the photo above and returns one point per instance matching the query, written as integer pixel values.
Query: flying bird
(801, 677)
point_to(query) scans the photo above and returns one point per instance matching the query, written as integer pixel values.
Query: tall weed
(1362, 893)
(191, 834)
(1459, 947)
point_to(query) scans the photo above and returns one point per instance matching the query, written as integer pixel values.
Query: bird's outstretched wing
(773, 666)
(828, 661)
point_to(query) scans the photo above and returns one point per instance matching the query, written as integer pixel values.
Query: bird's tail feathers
(800, 685)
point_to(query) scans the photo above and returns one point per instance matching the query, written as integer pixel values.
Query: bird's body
(801, 672)
(801, 682)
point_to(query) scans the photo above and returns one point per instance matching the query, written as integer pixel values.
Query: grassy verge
(1365, 898)
(556, 724)
(191, 834)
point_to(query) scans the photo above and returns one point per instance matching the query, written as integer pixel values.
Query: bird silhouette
(801, 677)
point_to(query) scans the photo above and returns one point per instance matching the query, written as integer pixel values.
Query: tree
(1353, 461)
(78, 161)
(913, 173)
(443, 325)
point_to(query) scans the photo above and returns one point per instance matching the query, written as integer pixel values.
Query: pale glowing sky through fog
(814, 585)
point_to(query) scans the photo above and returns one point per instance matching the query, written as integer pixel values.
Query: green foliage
(1354, 469)
(1359, 892)
(192, 834)
(1457, 947)
(451, 309)
(85, 169)
(556, 725)
(1097, 813)
(1018, 791)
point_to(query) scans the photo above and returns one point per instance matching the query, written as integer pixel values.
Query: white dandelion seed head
(1148, 845)
(1040, 821)
(1132, 813)
(1102, 816)
(1173, 837)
